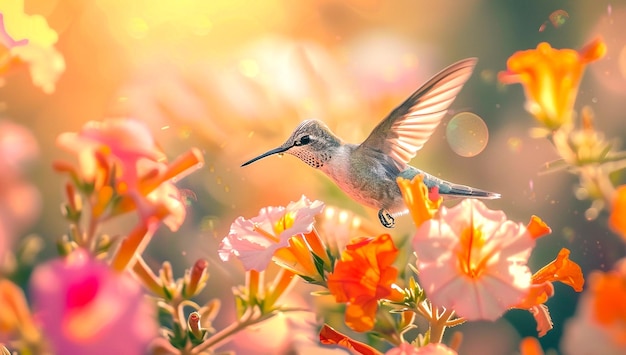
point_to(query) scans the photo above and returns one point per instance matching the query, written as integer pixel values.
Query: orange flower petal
(537, 227)
(609, 291)
(416, 197)
(530, 346)
(360, 317)
(363, 276)
(297, 258)
(14, 312)
(561, 269)
(329, 336)
(537, 295)
(593, 51)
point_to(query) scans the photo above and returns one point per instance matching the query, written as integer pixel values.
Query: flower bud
(195, 278)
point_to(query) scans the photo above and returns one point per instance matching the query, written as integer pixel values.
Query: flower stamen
(266, 234)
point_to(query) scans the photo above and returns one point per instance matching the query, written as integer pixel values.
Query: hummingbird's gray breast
(368, 176)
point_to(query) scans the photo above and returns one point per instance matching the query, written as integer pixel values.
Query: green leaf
(319, 264)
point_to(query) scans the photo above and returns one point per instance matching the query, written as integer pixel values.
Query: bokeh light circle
(467, 134)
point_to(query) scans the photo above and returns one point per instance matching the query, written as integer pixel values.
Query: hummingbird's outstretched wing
(410, 125)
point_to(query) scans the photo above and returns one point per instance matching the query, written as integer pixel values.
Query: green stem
(225, 334)
(438, 325)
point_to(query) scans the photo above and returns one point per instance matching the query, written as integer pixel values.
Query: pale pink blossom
(84, 307)
(254, 241)
(473, 260)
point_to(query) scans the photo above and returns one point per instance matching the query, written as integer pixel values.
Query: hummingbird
(367, 172)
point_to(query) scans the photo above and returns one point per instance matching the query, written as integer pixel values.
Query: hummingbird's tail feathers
(448, 189)
(462, 191)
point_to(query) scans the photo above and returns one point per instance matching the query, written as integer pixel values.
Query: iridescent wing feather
(410, 125)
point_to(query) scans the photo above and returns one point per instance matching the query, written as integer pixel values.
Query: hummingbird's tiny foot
(386, 219)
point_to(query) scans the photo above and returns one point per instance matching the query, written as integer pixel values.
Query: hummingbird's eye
(303, 140)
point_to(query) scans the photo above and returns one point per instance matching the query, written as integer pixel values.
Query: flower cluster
(551, 78)
(79, 302)
(121, 169)
(465, 250)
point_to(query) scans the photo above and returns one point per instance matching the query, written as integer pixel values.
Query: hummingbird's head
(312, 142)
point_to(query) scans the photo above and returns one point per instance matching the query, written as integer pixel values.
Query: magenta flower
(254, 241)
(473, 260)
(86, 308)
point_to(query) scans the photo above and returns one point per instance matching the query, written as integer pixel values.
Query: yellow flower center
(284, 223)
(472, 259)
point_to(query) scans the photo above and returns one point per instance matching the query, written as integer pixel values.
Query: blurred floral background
(234, 78)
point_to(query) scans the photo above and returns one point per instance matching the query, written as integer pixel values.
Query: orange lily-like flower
(551, 78)
(422, 203)
(617, 219)
(28, 39)
(364, 276)
(561, 269)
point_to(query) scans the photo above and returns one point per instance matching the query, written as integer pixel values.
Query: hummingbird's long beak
(268, 153)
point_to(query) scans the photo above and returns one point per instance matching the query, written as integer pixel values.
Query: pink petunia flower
(86, 308)
(473, 260)
(254, 241)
